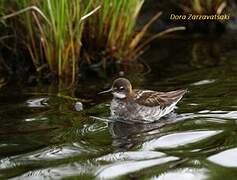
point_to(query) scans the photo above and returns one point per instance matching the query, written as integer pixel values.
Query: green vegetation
(111, 31)
(51, 32)
(58, 35)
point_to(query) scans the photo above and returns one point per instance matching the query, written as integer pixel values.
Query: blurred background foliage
(58, 40)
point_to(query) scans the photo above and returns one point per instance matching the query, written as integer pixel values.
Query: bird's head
(121, 88)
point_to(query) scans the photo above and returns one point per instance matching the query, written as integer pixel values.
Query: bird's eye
(121, 88)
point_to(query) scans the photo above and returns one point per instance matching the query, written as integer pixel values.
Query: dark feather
(153, 98)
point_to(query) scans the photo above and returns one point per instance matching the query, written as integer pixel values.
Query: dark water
(43, 137)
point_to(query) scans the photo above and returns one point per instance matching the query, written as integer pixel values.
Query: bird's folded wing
(153, 98)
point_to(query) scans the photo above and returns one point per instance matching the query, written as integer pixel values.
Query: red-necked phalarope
(136, 104)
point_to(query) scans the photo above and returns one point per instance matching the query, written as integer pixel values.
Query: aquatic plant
(51, 31)
(204, 6)
(111, 33)
(59, 34)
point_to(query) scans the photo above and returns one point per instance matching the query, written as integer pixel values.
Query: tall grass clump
(57, 34)
(52, 36)
(111, 34)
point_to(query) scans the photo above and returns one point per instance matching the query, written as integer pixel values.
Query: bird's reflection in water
(128, 134)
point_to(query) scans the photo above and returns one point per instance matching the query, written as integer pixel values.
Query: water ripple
(224, 115)
(37, 102)
(58, 172)
(131, 155)
(178, 139)
(45, 154)
(226, 158)
(184, 174)
(122, 168)
(92, 128)
(203, 82)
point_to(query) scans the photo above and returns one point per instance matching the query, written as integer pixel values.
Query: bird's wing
(153, 98)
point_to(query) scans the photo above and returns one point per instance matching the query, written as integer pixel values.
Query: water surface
(42, 136)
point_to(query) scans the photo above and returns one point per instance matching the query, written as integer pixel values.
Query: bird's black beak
(107, 91)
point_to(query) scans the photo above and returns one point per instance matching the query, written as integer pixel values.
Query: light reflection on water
(175, 140)
(122, 168)
(45, 138)
(37, 102)
(225, 158)
(184, 174)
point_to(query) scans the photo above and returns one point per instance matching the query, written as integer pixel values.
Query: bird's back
(146, 105)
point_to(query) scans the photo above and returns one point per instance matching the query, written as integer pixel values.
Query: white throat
(119, 95)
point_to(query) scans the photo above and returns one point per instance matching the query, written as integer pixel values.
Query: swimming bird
(136, 104)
